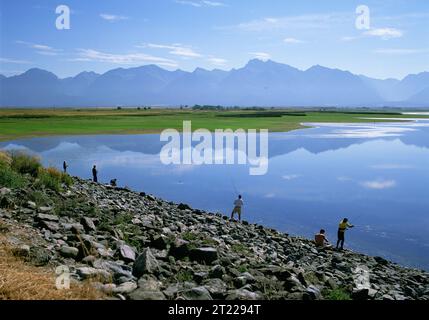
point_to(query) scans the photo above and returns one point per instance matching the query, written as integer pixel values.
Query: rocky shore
(135, 246)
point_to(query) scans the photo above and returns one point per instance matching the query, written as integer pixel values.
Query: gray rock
(31, 205)
(93, 273)
(243, 294)
(145, 263)
(88, 224)
(127, 253)
(47, 217)
(197, 293)
(216, 287)
(314, 293)
(179, 249)
(217, 272)
(126, 287)
(146, 295)
(69, 252)
(204, 255)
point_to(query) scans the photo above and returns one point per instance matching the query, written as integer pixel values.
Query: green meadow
(20, 123)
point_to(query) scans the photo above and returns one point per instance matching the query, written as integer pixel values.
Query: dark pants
(340, 239)
(94, 178)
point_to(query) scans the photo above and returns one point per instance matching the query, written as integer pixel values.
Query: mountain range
(258, 83)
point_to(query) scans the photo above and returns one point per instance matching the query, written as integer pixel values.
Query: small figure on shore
(94, 173)
(113, 182)
(343, 226)
(65, 166)
(321, 240)
(238, 203)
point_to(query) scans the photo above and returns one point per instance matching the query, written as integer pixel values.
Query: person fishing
(65, 166)
(343, 226)
(321, 240)
(94, 174)
(238, 203)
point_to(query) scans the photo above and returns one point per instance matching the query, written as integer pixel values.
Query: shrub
(49, 178)
(38, 197)
(9, 178)
(25, 164)
(66, 179)
(5, 158)
(337, 294)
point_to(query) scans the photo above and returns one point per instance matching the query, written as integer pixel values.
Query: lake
(375, 174)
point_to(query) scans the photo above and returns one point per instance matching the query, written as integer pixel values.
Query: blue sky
(225, 34)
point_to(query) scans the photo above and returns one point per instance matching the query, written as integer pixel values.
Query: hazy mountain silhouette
(258, 83)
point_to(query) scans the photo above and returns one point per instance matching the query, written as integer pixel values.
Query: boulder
(47, 217)
(243, 294)
(146, 295)
(88, 224)
(183, 206)
(217, 272)
(204, 255)
(146, 263)
(179, 249)
(100, 275)
(126, 253)
(69, 252)
(197, 293)
(126, 287)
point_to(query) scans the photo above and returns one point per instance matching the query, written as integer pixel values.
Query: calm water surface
(377, 175)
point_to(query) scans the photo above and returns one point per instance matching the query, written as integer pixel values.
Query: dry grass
(22, 281)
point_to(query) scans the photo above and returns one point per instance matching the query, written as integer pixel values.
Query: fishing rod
(233, 185)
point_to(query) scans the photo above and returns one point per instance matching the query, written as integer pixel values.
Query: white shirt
(238, 203)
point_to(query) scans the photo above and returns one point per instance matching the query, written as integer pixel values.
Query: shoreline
(138, 240)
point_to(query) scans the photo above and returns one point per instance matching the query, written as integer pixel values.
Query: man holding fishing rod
(343, 226)
(238, 203)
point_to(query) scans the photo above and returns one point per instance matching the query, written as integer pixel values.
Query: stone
(146, 295)
(217, 272)
(197, 293)
(145, 263)
(179, 249)
(88, 224)
(243, 294)
(69, 252)
(204, 255)
(47, 217)
(93, 273)
(31, 205)
(125, 287)
(314, 292)
(126, 253)
(183, 206)
(39, 256)
(360, 294)
(22, 251)
(49, 225)
(159, 242)
(45, 209)
(216, 287)
(381, 261)
(89, 260)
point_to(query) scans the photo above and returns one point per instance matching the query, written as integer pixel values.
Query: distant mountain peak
(258, 83)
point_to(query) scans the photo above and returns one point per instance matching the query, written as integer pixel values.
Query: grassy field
(20, 123)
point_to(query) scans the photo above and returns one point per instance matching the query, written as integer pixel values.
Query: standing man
(94, 174)
(237, 208)
(65, 166)
(343, 226)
